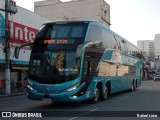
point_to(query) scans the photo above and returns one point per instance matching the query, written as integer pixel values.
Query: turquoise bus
(74, 61)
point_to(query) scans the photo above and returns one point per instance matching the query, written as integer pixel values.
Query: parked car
(157, 77)
(152, 76)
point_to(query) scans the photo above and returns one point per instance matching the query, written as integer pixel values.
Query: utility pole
(10, 7)
(7, 51)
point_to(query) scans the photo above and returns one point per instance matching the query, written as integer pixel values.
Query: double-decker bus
(73, 61)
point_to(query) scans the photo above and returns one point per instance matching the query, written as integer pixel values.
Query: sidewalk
(13, 93)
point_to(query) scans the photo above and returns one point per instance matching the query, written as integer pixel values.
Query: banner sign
(19, 33)
(2, 28)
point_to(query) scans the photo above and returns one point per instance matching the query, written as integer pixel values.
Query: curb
(11, 95)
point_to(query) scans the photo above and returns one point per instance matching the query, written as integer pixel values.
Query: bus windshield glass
(61, 33)
(52, 59)
(53, 67)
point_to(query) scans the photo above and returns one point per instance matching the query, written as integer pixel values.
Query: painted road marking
(83, 114)
(124, 97)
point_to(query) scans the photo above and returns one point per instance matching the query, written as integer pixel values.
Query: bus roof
(103, 26)
(92, 22)
(66, 21)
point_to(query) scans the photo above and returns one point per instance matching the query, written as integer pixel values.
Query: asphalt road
(145, 98)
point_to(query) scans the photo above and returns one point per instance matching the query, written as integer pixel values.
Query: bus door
(116, 80)
(123, 74)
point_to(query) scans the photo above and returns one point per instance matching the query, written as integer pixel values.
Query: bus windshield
(53, 67)
(50, 33)
(53, 54)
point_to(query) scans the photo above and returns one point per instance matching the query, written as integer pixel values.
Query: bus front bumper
(59, 97)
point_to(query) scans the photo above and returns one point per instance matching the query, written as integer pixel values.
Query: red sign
(56, 41)
(49, 41)
(21, 34)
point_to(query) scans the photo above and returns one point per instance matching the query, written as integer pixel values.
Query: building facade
(151, 51)
(157, 51)
(157, 45)
(23, 27)
(94, 10)
(148, 48)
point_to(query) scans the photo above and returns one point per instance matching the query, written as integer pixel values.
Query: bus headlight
(30, 83)
(73, 87)
(29, 87)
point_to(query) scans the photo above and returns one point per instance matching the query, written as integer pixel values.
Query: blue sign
(2, 28)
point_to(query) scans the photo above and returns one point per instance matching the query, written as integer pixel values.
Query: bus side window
(95, 33)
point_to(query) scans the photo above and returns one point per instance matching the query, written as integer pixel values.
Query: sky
(131, 19)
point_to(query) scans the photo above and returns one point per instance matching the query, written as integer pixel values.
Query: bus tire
(96, 95)
(133, 86)
(136, 84)
(106, 93)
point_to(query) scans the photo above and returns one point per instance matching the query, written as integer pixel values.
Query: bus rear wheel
(96, 95)
(133, 87)
(105, 94)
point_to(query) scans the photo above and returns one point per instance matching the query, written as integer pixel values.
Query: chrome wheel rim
(96, 94)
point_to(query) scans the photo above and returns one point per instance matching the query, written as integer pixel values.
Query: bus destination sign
(60, 41)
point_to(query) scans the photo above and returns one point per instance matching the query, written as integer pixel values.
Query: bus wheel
(133, 88)
(105, 94)
(96, 95)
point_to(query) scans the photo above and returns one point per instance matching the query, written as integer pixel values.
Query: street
(145, 98)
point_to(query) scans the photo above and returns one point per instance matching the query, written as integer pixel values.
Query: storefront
(23, 28)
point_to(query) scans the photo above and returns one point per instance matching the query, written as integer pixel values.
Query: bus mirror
(79, 50)
(82, 47)
(17, 49)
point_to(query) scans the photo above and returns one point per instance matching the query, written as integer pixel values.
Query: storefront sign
(18, 33)
(21, 34)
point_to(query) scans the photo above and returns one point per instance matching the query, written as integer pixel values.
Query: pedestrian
(3, 85)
